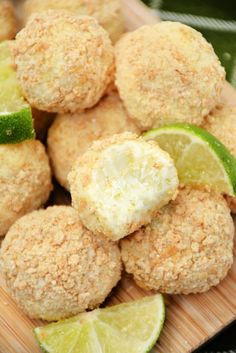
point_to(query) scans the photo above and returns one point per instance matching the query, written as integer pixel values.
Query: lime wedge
(199, 157)
(131, 327)
(16, 122)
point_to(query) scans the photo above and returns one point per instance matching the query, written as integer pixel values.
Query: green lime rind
(16, 123)
(131, 327)
(162, 314)
(16, 127)
(160, 327)
(225, 158)
(38, 342)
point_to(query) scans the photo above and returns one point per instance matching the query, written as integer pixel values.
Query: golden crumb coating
(167, 73)
(187, 248)
(107, 12)
(64, 62)
(71, 134)
(25, 180)
(7, 20)
(119, 184)
(221, 123)
(54, 267)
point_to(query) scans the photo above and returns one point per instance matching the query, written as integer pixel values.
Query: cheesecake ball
(71, 134)
(25, 180)
(7, 20)
(120, 183)
(187, 248)
(54, 267)
(108, 13)
(64, 62)
(167, 73)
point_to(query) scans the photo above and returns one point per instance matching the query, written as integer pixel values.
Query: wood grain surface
(191, 320)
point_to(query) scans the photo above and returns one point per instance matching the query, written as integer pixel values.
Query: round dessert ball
(25, 182)
(221, 123)
(107, 12)
(119, 184)
(7, 20)
(167, 73)
(187, 248)
(64, 62)
(54, 267)
(71, 134)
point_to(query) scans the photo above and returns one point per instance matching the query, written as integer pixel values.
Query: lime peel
(131, 327)
(16, 123)
(180, 140)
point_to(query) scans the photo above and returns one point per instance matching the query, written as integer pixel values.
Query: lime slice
(131, 327)
(16, 122)
(199, 157)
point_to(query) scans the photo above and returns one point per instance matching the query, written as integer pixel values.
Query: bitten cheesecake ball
(221, 123)
(72, 134)
(107, 12)
(167, 73)
(25, 180)
(54, 267)
(64, 62)
(187, 248)
(7, 20)
(119, 184)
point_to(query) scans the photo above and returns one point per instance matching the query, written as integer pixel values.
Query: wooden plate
(191, 320)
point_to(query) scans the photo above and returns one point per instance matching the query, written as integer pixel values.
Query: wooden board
(191, 320)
